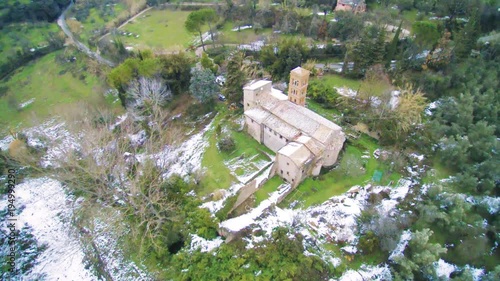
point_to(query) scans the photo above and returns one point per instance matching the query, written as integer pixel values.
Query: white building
(303, 140)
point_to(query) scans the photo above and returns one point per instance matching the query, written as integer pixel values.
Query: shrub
(368, 243)
(226, 144)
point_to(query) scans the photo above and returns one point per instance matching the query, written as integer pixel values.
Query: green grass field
(25, 35)
(218, 175)
(335, 80)
(50, 84)
(162, 29)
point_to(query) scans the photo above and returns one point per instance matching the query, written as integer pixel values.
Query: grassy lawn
(159, 29)
(329, 113)
(270, 186)
(335, 80)
(50, 84)
(247, 150)
(313, 191)
(27, 35)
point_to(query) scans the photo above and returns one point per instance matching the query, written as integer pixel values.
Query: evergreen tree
(467, 37)
(235, 79)
(393, 47)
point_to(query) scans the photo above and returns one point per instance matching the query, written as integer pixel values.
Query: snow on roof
(257, 114)
(257, 85)
(278, 94)
(297, 152)
(305, 120)
(282, 128)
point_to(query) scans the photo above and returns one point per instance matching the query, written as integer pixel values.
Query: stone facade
(357, 6)
(303, 140)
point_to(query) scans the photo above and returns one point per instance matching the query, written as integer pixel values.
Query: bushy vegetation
(37, 10)
(234, 262)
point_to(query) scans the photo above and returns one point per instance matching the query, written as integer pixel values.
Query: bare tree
(111, 170)
(147, 94)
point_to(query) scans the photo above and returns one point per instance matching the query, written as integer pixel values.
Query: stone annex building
(357, 6)
(303, 140)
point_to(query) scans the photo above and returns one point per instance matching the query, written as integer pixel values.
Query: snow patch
(203, 244)
(242, 28)
(254, 46)
(58, 140)
(5, 142)
(444, 269)
(245, 220)
(26, 103)
(492, 203)
(346, 92)
(400, 248)
(365, 272)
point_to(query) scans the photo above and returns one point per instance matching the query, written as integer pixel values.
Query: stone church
(303, 140)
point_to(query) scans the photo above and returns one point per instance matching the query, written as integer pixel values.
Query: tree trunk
(211, 34)
(201, 39)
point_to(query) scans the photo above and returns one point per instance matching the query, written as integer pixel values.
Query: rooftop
(297, 152)
(288, 118)
(256, 85)
(301, 71)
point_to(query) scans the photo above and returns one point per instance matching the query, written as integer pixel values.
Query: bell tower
(297, 88)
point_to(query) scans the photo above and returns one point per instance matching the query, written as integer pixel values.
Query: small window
(281, 137)
(252, 120)
(248, 104)
(270, 130)
(294, 100)
(293, 180)
(282, 172)
(303, 171)
(275, 134)
(288, 173)
(288, 164)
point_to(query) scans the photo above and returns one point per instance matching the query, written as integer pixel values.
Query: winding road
(61, 21)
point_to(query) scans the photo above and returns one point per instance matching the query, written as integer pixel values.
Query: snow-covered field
(49, 211)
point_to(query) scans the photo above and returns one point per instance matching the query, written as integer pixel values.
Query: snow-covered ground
(346, 92)
(242, 28)
(203, 244)
(183, 159)
(106, 232)
(48, 211)
(334, 220)
(254, 46)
